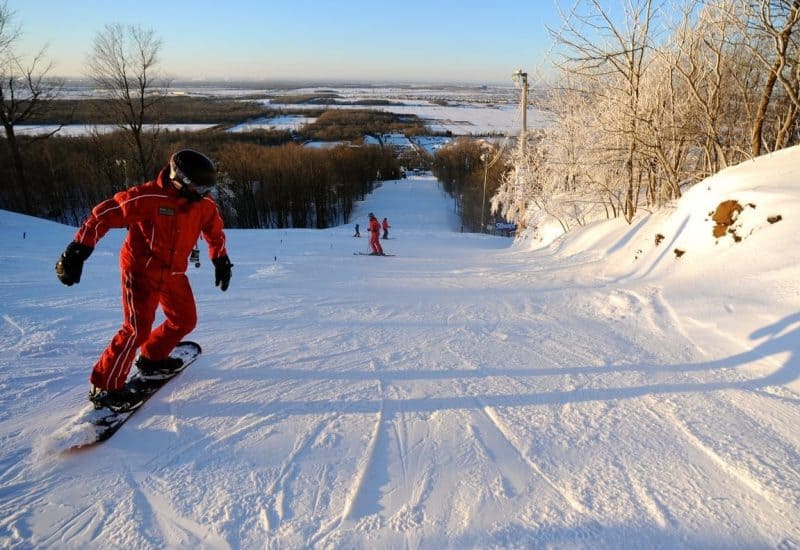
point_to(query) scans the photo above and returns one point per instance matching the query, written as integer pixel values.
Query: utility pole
(484, 159)
(521, 79)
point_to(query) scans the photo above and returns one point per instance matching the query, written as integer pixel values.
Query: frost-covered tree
(612, 54)
(769, 29)
(655, 99)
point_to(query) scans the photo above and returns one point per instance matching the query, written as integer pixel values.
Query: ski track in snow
(463, 394)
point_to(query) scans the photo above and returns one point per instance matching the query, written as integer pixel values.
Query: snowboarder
(358, 232)
(374, 235)
(164, 218)
(386, 226)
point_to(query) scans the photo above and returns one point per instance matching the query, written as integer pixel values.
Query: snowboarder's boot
(157, 370)
(121, 400)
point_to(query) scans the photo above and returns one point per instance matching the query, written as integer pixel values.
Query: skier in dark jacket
(164, 218)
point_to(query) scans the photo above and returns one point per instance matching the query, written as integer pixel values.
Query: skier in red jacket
(375, 235)
(164, 218)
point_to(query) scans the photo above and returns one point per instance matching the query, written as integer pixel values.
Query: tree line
(652, 103)
(471, 171)
(261, 186)
(294, 186)
(171, 109)
(353, 124)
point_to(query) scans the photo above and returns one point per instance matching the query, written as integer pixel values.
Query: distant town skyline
(305, 40)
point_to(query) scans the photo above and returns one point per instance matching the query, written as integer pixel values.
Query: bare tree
(123, 63)
(8, 32)
(25, 91)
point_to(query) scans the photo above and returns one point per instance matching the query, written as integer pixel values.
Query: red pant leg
(139, 302)
(177, 302)
(375, 244)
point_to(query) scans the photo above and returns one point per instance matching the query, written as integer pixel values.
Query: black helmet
(371, 215)
(193, 170)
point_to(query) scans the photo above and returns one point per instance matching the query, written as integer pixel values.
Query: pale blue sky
(412, 40)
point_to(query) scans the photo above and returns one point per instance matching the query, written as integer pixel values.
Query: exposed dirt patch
(724, 217)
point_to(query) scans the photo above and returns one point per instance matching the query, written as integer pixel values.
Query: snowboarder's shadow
(782, 337)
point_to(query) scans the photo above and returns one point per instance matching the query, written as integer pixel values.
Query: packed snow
(597, 391)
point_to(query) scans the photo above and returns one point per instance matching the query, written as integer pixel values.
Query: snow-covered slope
(466, 393)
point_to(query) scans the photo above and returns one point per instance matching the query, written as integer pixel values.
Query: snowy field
(470, 392)
(461, 120)
(462, 111)
(282, 122)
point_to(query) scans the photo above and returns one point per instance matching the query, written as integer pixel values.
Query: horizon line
(365, 81)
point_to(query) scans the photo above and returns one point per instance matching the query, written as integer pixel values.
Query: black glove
(222, 272)
(70, 265)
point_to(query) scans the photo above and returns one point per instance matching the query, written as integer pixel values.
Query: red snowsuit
(163, 227)
(374, 236)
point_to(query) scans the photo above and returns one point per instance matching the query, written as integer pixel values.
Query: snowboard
(368, 254)
(93, 426)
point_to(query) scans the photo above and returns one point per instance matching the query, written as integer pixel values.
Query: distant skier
(374, 235)
(358, 232)
(164, 218)
(386, 226)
